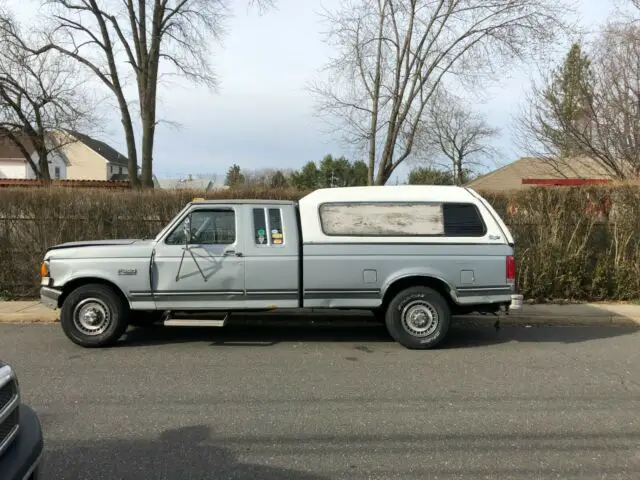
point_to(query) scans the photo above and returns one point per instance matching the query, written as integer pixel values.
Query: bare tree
(604, 124)
(627, 10)
(148, 33)
(393, 54)
(454, 137)
(39, 97)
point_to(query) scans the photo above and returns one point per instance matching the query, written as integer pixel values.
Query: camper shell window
(399, 219)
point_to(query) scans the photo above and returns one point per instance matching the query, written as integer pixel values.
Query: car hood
(97, 243)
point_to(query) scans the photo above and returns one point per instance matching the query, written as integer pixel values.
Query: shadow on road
(253, 333)
(184, 453)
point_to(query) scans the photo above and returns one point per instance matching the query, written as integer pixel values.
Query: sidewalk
(600, 314)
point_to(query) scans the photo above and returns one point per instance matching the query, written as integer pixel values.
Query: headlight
(8, 375)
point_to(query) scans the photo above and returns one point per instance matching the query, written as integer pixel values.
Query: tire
(419, 333)
(110, 316)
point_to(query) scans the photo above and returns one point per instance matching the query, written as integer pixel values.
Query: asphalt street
(260, 402)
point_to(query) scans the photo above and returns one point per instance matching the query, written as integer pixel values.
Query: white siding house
(13, 168)
(77, 157)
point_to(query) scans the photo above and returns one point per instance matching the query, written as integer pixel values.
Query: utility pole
(332, 180)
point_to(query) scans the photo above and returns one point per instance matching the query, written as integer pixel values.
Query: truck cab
(343, 248)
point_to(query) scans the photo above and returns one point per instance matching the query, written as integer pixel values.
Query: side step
(192, 321)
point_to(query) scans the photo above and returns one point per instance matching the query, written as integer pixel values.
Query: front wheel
(418, 317)
(94, 315)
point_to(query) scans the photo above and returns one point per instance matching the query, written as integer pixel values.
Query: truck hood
(123, 248)
(97, 243)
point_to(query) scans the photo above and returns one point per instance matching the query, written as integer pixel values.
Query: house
(73, 156)
(531, 171)
(14, 165)
(91, 159)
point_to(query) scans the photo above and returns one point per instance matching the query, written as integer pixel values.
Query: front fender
(126, 274)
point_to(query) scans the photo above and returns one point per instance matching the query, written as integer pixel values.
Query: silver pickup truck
(412, 255)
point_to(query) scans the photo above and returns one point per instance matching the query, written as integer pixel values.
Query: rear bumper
(49, 296)
(23, 459)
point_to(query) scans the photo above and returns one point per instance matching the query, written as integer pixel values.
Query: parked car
(413, 255)
(21, 442)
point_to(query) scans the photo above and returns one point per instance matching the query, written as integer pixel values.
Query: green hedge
(571, 243)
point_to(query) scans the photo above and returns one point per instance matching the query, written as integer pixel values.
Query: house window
(56, 173)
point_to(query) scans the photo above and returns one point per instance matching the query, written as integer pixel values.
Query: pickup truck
(412, 255)
(21, 443)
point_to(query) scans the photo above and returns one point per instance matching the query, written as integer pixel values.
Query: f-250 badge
(127, 271)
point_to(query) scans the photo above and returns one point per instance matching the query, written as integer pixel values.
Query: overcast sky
(261, 116)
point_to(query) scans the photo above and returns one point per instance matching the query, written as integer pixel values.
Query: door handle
(228, 253)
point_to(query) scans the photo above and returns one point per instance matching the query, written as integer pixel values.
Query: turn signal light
(44, 269)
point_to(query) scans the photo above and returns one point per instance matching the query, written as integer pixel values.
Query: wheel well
(438, 285)
(78, 282)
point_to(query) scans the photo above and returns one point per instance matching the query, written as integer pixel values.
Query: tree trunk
(43, 165)
(132, 154)
(148, 131)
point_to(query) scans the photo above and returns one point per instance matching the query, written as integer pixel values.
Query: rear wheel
(94, 315)
(418, 317)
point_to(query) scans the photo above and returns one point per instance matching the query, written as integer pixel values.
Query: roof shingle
(509, 177)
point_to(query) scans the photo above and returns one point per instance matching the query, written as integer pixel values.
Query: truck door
(271, 255)
(206, 272)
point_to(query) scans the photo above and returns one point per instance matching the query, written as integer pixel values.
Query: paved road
(329, 403)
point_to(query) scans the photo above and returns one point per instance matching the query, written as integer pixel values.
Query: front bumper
(23, 459)
(49, 296)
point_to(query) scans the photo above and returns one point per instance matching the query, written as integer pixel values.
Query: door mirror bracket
(186, 229)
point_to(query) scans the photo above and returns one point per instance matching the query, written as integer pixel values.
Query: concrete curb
(606, 319)
(28, 318)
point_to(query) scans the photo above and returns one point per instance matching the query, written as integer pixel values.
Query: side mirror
(186, 229)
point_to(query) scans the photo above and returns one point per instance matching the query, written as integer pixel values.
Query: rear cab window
(268, 227)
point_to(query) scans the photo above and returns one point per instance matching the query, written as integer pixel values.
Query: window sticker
(260, 226)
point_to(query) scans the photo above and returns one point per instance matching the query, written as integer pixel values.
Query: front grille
(7, 393)
(8, 425)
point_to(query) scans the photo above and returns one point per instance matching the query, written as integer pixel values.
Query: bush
(571, 243)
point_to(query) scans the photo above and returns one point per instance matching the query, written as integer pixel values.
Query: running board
(195, 322)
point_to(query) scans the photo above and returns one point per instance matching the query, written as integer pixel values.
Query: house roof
(9, 150)
(108, 152)
(510, 176)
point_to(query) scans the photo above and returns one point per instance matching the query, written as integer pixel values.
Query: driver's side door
(208, 271)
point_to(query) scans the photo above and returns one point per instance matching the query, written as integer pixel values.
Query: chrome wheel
(419, 318)
(91, 316)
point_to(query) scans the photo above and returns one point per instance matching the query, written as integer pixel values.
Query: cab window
(267, 226)
(208, 227)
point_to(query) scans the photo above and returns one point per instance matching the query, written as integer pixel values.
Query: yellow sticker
(276, 235)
